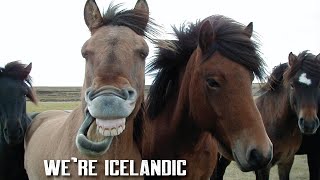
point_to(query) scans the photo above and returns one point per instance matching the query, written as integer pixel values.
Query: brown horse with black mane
(203, 89)
(288, 105)
(108, 124)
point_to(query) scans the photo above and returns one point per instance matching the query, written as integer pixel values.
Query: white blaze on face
(303, 79)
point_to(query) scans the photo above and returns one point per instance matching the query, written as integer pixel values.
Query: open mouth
(105, 118)
(105, 131)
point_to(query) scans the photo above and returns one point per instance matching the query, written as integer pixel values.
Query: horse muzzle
(253, 158)
(308, 125)
(109, 108)
(110, 102)
(13, 136)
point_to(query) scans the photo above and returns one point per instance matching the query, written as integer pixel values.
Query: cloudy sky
(50, 33)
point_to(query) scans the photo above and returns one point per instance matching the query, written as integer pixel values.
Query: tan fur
(50, 141)
(115, 56)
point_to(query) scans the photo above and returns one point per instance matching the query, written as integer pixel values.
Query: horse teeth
(110, 132)
(120, 129)
(106, 132)
(100, 130)
(114, 132)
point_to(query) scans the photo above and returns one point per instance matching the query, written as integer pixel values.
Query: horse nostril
(301, 122)
(317, 122)
(256, 159)
(5, 132)
(131, 94)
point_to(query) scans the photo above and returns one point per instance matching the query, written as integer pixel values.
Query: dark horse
(311, 143)
(289, 106)
(15, 87)
(203, 88)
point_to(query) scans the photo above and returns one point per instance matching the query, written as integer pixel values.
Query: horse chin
(242, 167)
(95, 135)
(232, 155)
(13, 141)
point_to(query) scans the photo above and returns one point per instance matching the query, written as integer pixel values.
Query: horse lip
(107, 104)
(87, 146)
(308, 132)
(17, 141)
(91, 94)
(92, 97)
(242, 168)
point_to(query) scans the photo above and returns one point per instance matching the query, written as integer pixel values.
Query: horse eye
(291, 85)
(212, 83)
(143, 55)
(85, 55)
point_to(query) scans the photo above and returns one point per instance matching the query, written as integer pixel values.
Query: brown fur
(185, 112)
(115, 56)
(281, 113)
(282, 102)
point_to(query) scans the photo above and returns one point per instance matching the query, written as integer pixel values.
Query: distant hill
(61, 94)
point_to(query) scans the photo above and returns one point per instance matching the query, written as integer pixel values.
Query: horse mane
(139, 126)
(275, 80)
(168, 62)
(133, 19)
(307, 62)
(230, 40)
(16, 70)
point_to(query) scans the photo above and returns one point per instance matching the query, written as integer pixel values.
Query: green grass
(299, 171)
(43, 106)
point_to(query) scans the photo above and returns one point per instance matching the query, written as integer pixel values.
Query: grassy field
(67, 98)
(299, 171)
(42, 106)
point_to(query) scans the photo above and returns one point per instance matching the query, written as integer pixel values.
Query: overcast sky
(50, 33)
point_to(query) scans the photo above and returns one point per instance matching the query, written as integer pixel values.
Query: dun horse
(289, 107)
(15, 87)
(203, 89)
(108, 124)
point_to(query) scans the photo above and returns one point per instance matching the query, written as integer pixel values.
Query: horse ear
(32, 95)
(143, 8)
(249, 30)
(292, 59)
(92, 15)
(206, 36)
(26, 71)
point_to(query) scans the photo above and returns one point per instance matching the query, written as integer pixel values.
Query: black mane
(230, 41)
(133, 19)
(275, 80)
(281, 75)
(308, 63)
(14, 70)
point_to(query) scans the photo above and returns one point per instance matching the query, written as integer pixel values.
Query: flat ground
(67, 98)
